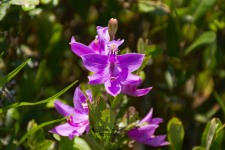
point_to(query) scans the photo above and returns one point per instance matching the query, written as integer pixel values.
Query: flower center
(113, 49)
(84, 105)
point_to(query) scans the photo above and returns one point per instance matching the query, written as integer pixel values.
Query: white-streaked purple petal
(103, 37)
(80, 49)
(64, 109)
(131, 61)
(95, 62)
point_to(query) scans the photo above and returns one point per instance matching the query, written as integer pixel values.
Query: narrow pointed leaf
(12, 74)
(206, 38)
(19, 104)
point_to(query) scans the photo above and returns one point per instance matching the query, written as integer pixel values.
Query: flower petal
(142, 134)
(80, 49)
(113, 87)
(94, 45)
(95, 62)
(132, 80)
(148, 117)
(64, 109)
(99, 77)
(157, 141)
(137, 92)
(78, 98)
(63, 129)
(131, 61)
(89, 95)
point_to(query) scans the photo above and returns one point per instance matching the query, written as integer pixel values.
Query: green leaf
(12, 74)
(37, 140)
(141, 46)
(3, 9)
(116, 101)
(212, 136)
(199, 148)
(220, 101)
(19, 104)
(1, 52)
(66, 144)
(206, 38)
(175, 131)
(35, 129)
(24, 2)
(81, 144)
(198, 8)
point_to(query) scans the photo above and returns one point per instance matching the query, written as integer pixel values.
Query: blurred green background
(186, 69)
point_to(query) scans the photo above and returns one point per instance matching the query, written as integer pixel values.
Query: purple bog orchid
(145, 129)
(77, 116)
(110, 69)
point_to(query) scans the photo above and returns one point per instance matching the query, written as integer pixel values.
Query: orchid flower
(110, 69)
(113, 70)
(145, 129)
(77, 116)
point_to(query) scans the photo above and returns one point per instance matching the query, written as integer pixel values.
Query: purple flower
(77, 116)
(145, 129)
(110, 69)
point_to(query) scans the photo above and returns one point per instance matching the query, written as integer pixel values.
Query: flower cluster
(116, 73)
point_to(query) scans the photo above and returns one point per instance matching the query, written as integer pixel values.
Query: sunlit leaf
(206, 38)
(24, 2)
(175, 131)
(12, 74)
(81, 144)
(3, 9)
(212, 137)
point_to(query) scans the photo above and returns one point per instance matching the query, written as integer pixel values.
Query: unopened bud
(112, 27)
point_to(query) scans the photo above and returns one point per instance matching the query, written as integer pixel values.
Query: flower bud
(112, 27)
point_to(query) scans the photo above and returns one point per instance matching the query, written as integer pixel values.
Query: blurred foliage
(185, 62)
